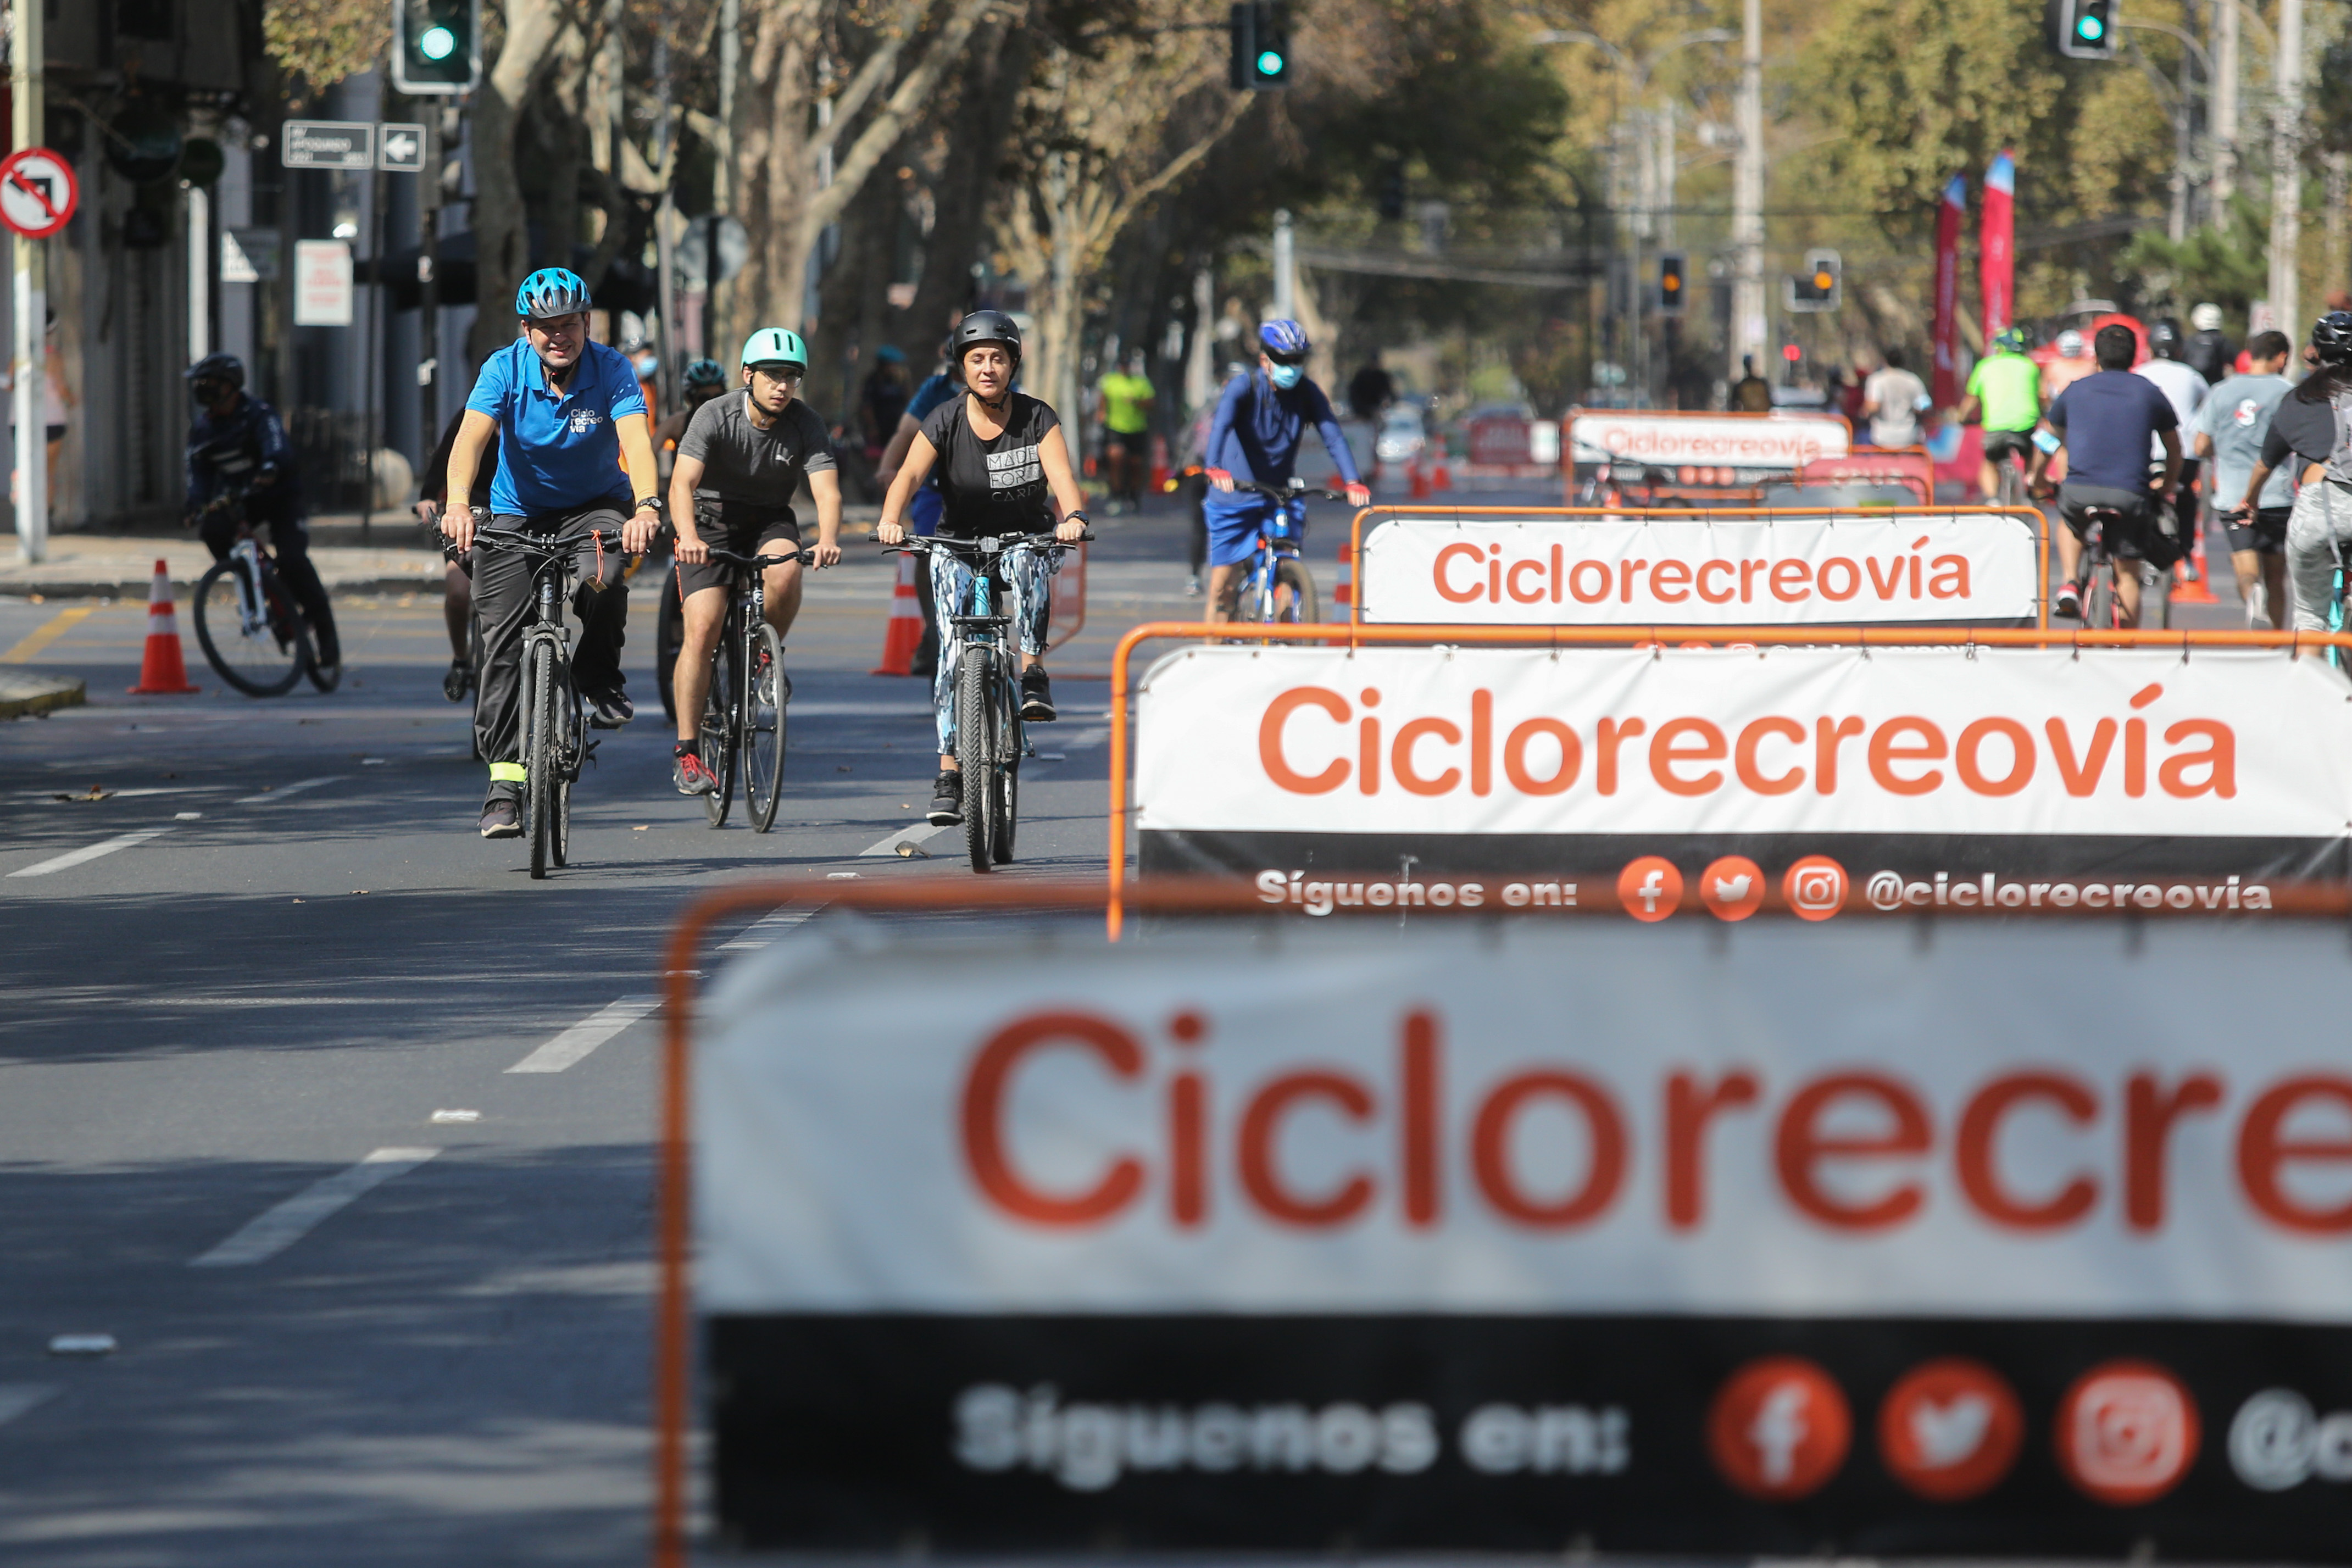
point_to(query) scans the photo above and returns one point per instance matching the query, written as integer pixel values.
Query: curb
(138, 587)
(24, 694)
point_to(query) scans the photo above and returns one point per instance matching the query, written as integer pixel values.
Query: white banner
(1800, 570)
(1920, 743)
(1779, 440)
(2035, 1121)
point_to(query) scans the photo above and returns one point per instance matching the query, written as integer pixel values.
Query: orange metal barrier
(1357, 636)
(1354, 559)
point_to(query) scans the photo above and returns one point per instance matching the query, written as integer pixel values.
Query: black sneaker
(1037, 697)
(501, 819)
(947, 800)
(610, 709)
(458, 682)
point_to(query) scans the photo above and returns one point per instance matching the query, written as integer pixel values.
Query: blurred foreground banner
(1918, 764)
(1979, 568)
(1776, 1238)
(1742, 443)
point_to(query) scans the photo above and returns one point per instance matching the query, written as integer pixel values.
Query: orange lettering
(1885, 754)
(1490, 1150)
(1744, 756)
(1981, 1131)
(2084, 779)
(983, 1118)
(1261, 1125)
(1802, 1146)
(1269, 740)
(1444, 584)
(1400, 756)
(2150, 1112)
(2262, 1150)
(1665, 752)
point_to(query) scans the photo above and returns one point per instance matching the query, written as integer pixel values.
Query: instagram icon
(1815, 888)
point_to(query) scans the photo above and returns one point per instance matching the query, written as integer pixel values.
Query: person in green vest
(2005, 393)
(1126, 437)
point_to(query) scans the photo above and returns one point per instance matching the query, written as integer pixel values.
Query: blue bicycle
(1278, 589)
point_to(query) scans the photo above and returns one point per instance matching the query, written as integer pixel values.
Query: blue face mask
(1286, 376)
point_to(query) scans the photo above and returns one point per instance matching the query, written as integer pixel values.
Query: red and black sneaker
(691, 776)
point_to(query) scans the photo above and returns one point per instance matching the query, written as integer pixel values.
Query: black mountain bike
(743, 717)
(555, 743)
(991, 739)
(255, 634)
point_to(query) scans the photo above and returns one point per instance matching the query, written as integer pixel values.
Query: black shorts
(2128, 535)
(1999, 444)
(745, 534)
(2265, 533)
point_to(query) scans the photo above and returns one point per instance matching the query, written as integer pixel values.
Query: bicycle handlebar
(994, 544)
(545, 545)
(1293, 490)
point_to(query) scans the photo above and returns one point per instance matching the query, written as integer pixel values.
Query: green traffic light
(2090, 27)
(1269, 62)
(436, 44)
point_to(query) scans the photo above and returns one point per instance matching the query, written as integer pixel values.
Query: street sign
(37, 193)
(400, 149)
(328, 144)
(692, 259)
(322, 283)
(248, 256)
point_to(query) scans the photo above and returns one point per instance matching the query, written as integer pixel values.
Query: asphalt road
(379, 1298)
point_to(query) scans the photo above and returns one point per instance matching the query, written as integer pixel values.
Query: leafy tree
(2226, 263)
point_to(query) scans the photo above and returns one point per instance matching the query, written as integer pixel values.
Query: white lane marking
(586, 1035)
(862, 710)
(90, 852)
(913, 833)
(16, 1398)
(275, 1230)
(767, 928)
(297, 787)
(119, 794)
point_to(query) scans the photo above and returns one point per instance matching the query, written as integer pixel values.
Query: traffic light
(1671, 292)
(1261, 56)
(437, 45)
(1820, 286)
(2081, 29)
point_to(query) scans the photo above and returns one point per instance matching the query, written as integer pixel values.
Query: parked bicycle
(255, 634)
(991, 739)
(555, 743)
(743, 717)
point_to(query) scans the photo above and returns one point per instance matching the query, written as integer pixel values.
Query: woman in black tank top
(1005, 469)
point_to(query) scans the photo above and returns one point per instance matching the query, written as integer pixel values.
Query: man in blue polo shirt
(568, 414)
(2107, 422)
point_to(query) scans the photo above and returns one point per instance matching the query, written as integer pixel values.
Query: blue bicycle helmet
(1284, 340)
(705, 373)
(552, 291)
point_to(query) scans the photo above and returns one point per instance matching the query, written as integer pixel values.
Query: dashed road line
(297, 787)
(913, 833)
(585, 1036)
(767, 928)
(90, 852)
(275, 1230)
(16, 1398)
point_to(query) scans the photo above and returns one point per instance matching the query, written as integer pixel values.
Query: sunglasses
(782, 376)
(1286, 359)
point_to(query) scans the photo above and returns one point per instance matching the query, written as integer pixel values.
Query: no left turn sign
(37, 193)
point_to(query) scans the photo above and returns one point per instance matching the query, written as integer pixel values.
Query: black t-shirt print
(992, 487)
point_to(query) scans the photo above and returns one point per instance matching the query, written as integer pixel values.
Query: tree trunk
(990, 90)
(502, 244)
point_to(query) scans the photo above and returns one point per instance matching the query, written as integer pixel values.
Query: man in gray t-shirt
(2229, 433)
(739, 465)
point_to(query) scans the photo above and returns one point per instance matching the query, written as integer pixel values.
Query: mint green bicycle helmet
(776, 345)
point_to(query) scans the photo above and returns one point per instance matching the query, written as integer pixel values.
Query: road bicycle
(743, 717)
(2094, 578)
(255, 634)
(991, 739)
(555, 743)
(1278, 590)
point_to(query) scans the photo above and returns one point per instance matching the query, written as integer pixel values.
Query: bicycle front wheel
(1294, 595)
(762, 749)
(567, 767)
(718, 738)
(325, 677)
(541, 760)
(253, 658)
(976, 753)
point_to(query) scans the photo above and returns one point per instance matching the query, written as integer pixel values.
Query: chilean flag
(1998, 245)
(1945, 388)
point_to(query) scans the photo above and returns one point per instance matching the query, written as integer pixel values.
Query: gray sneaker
(501, 819)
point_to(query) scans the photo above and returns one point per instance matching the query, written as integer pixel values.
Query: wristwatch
(652, 504)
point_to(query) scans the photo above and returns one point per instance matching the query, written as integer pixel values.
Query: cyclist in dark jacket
(236, 442)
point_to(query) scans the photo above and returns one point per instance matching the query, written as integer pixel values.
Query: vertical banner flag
(1946, 387)
(1997, 261)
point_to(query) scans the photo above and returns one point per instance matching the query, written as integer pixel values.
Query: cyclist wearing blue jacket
(1260, 422)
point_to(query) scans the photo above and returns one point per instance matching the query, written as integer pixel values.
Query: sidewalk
(92, 565)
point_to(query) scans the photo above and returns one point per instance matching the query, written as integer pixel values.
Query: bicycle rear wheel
(256, 662)
(718, 738)
(541, 755)
(976, 751)
(762, 748)
(2099, 599)
(1300, 608)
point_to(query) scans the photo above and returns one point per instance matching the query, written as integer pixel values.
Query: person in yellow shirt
(1125, 438)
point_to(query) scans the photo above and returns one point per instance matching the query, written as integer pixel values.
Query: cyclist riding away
(2186, 391)
(739, 465)
(2309, 438)
(2229, 435)
(1001, 455)
(237, 443)
(567, 411)
(702, 379)
(2005, 393)
(1260, 424)
(2071, 364)
(2106, 421)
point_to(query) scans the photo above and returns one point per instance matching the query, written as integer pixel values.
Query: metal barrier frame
(1355, 636)
(1355, 562)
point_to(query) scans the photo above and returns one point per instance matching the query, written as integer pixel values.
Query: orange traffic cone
(1159, 461)
(1418, 480)
(905, 630)
(161, 671)
(1443, 478)
(2190, 586)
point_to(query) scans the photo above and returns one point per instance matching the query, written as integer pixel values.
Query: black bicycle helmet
(2164, 339)
(216, 367)
(988, 326)
(2331, 337)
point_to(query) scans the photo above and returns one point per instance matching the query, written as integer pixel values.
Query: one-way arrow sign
(400, 149)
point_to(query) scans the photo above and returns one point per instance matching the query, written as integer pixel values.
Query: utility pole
(665, 217)
(1748, 322)
(2287, 172)
(2222, 126)
(731, 62)
(1285, 269)
(30, 299)
(428, 294)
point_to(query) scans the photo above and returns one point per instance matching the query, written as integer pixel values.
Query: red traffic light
(1790, 353)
